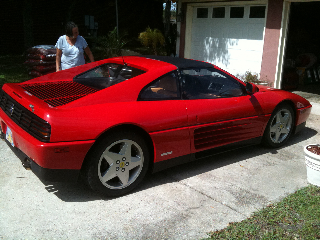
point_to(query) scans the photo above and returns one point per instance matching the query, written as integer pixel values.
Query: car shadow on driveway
(79, 192)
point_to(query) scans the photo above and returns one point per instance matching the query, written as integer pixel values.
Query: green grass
(295, 217)
(12, 69)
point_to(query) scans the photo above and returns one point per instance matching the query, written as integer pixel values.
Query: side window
(209, 84)
(105, 71)
(164, 88)
(112, 70)
(107, 75)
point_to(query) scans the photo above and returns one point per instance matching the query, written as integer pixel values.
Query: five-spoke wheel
(117, 164)
(120, 164)
(279, 127)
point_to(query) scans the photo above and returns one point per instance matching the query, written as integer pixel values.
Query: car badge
(32, 107)
(11, 109)
(28, 93)
(165, 154)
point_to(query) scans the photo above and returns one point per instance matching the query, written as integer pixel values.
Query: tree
(28, 24)
(167, 17)
(170, 30)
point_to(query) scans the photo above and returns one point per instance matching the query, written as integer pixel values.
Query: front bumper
(302, 114)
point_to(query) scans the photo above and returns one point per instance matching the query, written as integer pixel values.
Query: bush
(109, 46)
(152, 38)
(249, 77)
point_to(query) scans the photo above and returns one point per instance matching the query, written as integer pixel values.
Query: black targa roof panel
(181, 62)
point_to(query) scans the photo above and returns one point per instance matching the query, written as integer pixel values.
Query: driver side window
(208, 84)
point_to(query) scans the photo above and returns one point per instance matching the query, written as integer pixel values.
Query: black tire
(279, 127)
(117, 164)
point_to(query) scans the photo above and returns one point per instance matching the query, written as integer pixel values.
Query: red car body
(73, 117)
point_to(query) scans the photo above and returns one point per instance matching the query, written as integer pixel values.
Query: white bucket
(313, 166)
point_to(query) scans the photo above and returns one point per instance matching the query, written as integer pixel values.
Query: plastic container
(312, 158)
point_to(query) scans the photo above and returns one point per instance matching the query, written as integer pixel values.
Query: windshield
(107, 75)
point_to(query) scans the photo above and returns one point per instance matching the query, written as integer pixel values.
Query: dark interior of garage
(301, 70)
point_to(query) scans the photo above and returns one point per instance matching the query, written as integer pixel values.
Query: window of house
(236, 12)
(218, 12)
(202, 12)
(257, 12)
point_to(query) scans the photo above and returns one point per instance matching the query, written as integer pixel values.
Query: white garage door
(230, 37)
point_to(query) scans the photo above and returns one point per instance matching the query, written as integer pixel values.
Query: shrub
(109, 46)
(152, 38)
(253, 78)
(249, 77)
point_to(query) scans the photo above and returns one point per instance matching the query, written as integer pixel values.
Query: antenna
(120, 67)
(124, 63)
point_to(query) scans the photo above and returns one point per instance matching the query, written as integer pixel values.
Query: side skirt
(159, 166)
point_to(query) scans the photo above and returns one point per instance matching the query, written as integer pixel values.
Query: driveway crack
(208, 196)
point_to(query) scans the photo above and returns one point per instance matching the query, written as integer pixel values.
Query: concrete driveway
(185, 202)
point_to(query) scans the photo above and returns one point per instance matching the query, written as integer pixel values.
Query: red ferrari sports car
(111, 122)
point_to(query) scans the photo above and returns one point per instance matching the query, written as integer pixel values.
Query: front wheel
(117, 164)
(279, 127)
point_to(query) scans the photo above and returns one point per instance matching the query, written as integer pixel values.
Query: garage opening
(301, 69)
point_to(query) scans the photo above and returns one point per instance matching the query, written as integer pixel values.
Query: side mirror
(251, 88)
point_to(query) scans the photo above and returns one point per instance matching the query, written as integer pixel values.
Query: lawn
(12, 69)
(295, 217)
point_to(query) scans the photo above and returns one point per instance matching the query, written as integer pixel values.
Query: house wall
(271, 41)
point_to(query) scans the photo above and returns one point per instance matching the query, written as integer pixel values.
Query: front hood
(298, 101)
(266, 88)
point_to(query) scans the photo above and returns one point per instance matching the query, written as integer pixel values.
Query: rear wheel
(117, 164)
(279, 127)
